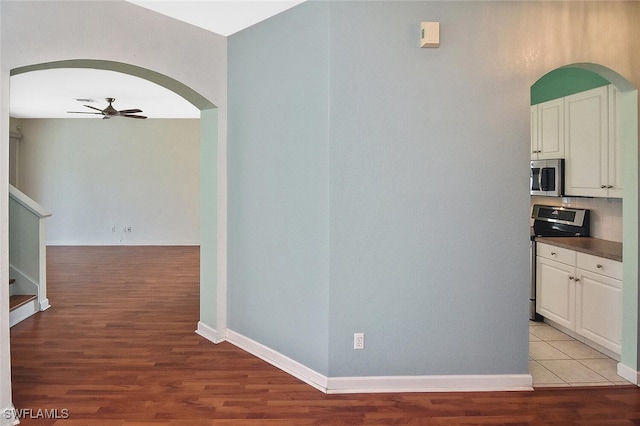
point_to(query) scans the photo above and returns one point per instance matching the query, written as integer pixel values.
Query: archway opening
(209, 309)
(575, 78)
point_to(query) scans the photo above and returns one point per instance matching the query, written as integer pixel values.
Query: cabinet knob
(599, 266)
(603, 186)
(609, 186)
(572, 278)
(577, 279)
(553, 253)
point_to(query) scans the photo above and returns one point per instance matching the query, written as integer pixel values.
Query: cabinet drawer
(556, 253)
(599, 265)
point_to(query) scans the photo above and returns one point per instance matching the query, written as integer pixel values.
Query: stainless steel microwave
(546, 177)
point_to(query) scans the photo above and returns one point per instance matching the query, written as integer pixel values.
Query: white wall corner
(210, 333)
(279, 360)
(628, 373)
(377, 384)
(8, 416)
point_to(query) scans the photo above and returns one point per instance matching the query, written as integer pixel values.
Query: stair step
(20, 299)
(12, 280)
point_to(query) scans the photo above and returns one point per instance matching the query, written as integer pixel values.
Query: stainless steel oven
(546, 177)
(553, 221)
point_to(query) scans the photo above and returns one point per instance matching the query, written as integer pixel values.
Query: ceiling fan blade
(83, 112)
(97, 109)
(129, 111)
(142, 117)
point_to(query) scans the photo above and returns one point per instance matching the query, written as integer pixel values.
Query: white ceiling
(223, 17)
(51, 93)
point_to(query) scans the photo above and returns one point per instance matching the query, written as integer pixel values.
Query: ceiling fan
(110, 111)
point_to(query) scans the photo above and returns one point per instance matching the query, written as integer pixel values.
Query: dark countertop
(595, 246)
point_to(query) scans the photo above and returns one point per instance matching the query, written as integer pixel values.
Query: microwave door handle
(540, 173)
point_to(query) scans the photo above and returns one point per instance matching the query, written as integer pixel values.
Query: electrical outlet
(127, 229)
(358, 340)
(113, 228)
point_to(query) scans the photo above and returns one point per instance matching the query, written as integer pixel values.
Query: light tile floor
(556, 359)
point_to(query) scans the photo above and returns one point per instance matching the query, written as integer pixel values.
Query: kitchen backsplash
(606, 213)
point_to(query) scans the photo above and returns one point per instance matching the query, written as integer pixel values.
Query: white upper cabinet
(587, 132)
(591, 145)
(584, 130)
(547, 130)
(615, 146)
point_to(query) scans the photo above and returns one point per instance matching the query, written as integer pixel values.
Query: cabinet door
(555, 291)
(586, 143)
(551, 129)
(615, 147)
(599, 309)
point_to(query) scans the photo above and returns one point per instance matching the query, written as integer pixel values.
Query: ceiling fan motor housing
(110, 111)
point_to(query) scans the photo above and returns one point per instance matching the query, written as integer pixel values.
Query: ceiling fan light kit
(110, 111)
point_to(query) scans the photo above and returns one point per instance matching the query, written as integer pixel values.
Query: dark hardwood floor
(118, 347)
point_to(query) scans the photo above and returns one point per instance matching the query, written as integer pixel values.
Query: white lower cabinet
(555, 284)
(555, 292)
(580, 292)
(599, 300)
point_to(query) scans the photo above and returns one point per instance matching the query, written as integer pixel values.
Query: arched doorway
(561, 83)
(211, 306)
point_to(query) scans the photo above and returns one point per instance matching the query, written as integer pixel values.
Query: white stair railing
(27, 247)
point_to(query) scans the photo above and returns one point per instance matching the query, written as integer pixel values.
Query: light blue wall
(406, 157)
(421, 161)
(278, 174)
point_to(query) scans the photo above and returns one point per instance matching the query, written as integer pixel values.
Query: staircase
(21, 306)
(27, 257)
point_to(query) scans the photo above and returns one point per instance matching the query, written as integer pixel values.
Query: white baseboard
(23, 312)
(372, 384)
(628, 373)
(8, 416)
(278, 360)
(452, 383)
(44, 305)
(210, 333)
